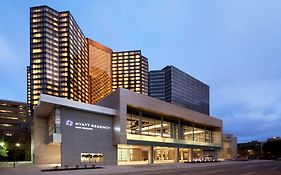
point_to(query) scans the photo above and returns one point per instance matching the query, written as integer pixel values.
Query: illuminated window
(37, 35)
(64, 54)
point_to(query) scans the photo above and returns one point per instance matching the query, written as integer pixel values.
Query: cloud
(250, 109)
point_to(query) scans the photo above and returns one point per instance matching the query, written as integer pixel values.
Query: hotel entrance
(185, 155)
(132, 154)
(164, 154)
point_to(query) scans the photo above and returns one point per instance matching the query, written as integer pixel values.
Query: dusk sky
(234, 46)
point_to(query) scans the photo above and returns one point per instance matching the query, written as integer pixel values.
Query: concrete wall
(44, 153)
(77, 141)
(229, 148)
(121, 98)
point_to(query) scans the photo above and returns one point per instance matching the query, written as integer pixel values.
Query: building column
(140, 122)
(161, 126)
(181, 153)
(191, 155)
(176, 158)
(192, 133)
(150, 155)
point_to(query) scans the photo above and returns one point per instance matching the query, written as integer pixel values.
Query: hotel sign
(86, 126)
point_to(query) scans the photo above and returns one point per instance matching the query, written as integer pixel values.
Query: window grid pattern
(130, 71)
(58, 56)
(175, 86)
(100, 71)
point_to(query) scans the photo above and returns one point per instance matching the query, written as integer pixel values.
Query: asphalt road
(256, 168)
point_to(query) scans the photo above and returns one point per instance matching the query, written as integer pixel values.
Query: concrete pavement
(226, 167)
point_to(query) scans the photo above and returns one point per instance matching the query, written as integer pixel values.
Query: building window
(199, 134)
(91, 157)
(188, 133)
(133, 124)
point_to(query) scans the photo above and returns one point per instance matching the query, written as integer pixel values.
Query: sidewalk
(30, 169)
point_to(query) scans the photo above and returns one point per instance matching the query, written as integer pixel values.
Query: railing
(169, 140)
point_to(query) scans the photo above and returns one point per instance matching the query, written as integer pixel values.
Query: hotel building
(177, 87)
(99, 71)
(123, 128)
(64, 63)
(59, 61)
(130, 71)
(14, 129)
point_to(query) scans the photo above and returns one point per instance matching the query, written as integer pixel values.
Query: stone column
(150, 155)
(191, 155)
(176, 158)
(181, 154)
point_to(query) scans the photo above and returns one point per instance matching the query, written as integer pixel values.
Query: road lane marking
(215, 171)
(247, 166)
(274, 168)
(249, 173)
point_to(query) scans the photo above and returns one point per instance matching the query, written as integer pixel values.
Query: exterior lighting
(2, 144)
(17, 144)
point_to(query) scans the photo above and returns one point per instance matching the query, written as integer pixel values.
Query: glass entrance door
(132, 154)
(164, 154)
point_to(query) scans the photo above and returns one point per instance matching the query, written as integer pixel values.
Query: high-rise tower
(99, 70)
(130, 71)
(58, 56)
(175, 86)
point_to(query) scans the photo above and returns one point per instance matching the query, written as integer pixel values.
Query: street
(248, 168)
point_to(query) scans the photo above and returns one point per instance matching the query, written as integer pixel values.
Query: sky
(234, 46)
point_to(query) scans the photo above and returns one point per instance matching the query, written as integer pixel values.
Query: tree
(272, 149)
(3, 148)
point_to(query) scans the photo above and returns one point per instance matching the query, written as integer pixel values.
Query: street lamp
(16, 151)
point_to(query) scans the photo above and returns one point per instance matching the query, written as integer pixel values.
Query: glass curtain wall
(133, 124)
(185, 154)
(151, 127)
(157, 126)
(132, 154)
(199, 134)
(164, 154)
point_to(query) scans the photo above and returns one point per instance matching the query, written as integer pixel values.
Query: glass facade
(185, 154)
(158, 138)
(133, 154)
(175, 86)
(100, 71)
(58, 56)
(157, 84)
(153, 125)
(130, 71)
(164, 154)
(91, 157)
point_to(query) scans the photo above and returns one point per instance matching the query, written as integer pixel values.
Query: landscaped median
(77, 167)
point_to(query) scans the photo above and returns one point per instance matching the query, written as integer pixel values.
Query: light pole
(16, 152)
